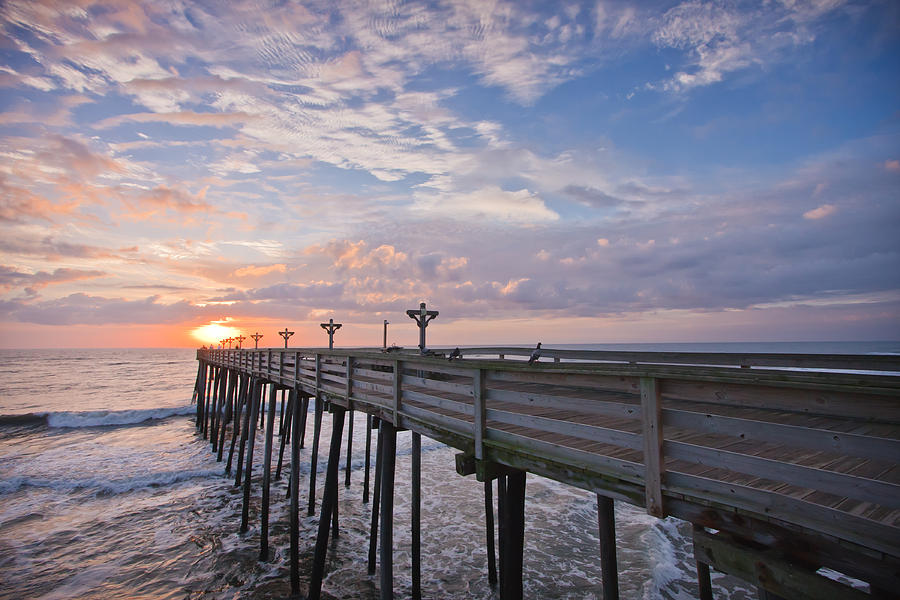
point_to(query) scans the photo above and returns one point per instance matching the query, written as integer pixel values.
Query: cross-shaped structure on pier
(285, 334)
(330, 327)
(422, 318)
(256, 337)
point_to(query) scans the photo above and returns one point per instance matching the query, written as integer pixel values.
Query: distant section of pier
(786, 464)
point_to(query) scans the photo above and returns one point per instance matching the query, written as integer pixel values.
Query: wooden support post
(317, 427)
(217, 410)
(502, 530)
(248, 412)
(512, 528)
(201, 392)
(388, 463)
(329, 501)
(248, 469)
(262, 403)
(349, 448)
(229, 403)
(286, 428)
(651, 416)
(609, 569)
(376, 500)
(210, 403)
(267, 480)
(489, 531)
(281, 409)
(304, 411)
(294, 491)
(368, 459)
(416, 511)
(239, 402)
(209, 382)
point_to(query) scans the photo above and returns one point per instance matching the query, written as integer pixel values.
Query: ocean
(107, 491)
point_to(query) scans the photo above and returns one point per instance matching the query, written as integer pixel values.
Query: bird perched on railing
(535, 354)
(455, 354)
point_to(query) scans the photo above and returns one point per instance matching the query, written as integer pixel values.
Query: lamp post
(256, 337)
(330, 327)
(385, 333)
(285, 334)
(240, 341)
(422, 317)
(228, 341)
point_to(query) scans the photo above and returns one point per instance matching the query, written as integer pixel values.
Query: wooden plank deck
(813, 451)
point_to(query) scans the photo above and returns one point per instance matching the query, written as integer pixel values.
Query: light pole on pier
(330, 327)
(240, 341)
(285, 334)
(228, 341)
(385, 332)
(422, 318)
(256, 337)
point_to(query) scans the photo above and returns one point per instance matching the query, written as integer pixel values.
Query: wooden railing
(808, 441)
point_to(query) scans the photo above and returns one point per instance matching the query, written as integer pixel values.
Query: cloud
(490, 203)
(11, 278)
(821, 212)
(83, 309)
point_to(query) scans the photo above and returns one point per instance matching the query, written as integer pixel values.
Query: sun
(214, 332)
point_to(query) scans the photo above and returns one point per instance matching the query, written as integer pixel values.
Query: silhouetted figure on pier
(455, 354)
(535, 354)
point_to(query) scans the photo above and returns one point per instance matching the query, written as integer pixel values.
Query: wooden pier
(785, 464)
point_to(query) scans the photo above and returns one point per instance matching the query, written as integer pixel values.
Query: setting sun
(214, 332)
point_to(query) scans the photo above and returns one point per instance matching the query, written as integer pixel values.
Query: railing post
(480, 412)
(397, 394)
(651, 416)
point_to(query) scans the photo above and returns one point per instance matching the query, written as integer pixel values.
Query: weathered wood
(366, 468)
(248, 469)
(512, 535)
(329, 502)
(286, 427)
(769, 571)
(226, 417)
(239, 400)
(389, 457)
(267, 481)
(294, 489)
(416, 512)
(376, 501)
(606, 519)
(317, 427)
(814, 454)
(489, 532)
(651, 407)
(703, 579)
(248, 410)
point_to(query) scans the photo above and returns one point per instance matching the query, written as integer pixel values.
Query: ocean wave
(95, 418)
(106, 486)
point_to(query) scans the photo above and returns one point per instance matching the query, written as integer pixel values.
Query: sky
(604, 171)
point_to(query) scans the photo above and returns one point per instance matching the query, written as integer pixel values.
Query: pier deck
(784, 463)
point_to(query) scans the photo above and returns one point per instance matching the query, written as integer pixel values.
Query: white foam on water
(96, 418)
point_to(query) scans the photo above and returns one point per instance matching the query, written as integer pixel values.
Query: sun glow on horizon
(214, 332)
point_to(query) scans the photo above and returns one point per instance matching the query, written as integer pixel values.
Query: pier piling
(609, 570)
(317, 427)
(376, 500)
(329, 502)
(489, 531)
(294, 491)
(416, 510)
(267, 479)
(388, 462)
(368, 459)
(285, 431)
(248, 470)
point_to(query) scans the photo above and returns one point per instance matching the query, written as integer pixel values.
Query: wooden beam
(651, 413)
(768, 570)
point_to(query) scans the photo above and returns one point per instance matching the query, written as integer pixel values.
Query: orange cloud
(259, 271)
(820, 212)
